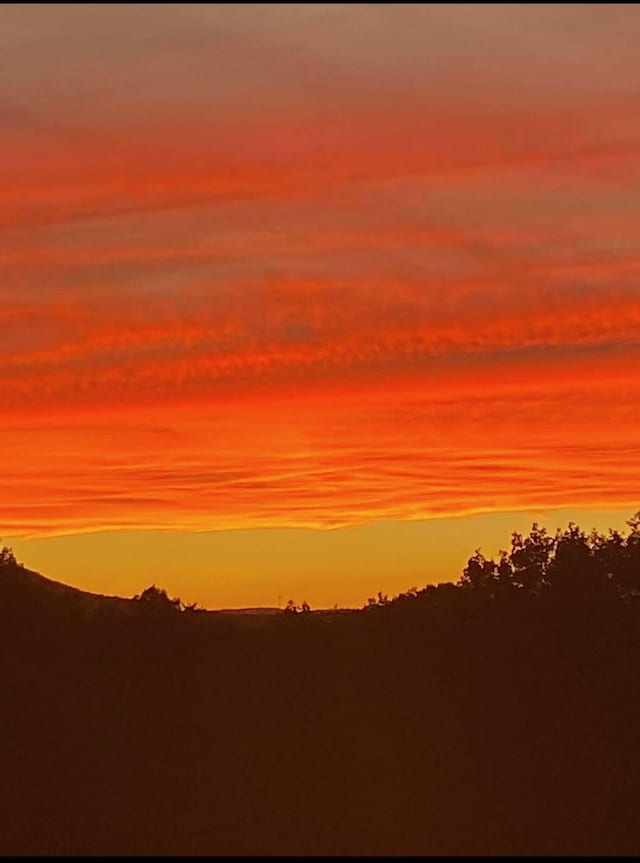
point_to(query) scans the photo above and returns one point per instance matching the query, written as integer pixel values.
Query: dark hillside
(494, 716)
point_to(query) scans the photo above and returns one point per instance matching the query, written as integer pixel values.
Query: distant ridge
(31, 583)
(265, 610)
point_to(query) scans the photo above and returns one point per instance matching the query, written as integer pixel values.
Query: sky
(312, 300)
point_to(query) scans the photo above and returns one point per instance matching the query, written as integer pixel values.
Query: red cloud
(421, 308)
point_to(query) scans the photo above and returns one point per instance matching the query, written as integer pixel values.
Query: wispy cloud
(299, 266)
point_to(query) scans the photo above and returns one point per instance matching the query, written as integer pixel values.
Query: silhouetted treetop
(8, 558)
(157, 599)
(571, 561)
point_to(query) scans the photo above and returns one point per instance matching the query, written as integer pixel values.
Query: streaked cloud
(316, 265)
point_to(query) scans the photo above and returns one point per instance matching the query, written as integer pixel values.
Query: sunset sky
(313, 300)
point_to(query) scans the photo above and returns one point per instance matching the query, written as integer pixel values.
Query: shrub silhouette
(292, 608)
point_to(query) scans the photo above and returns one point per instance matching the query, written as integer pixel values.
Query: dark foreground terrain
(495, 716)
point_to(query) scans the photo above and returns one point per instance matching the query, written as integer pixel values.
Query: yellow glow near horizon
(260, 567)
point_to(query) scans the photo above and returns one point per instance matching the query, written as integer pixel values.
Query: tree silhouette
(479, 573)
(572, 563)
(530, 557)
(631, 571)
(292, 608)
(7, 557)
(157, 600)
(573, 567)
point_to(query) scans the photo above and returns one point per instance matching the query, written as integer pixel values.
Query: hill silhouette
(494, 715)
(28, 586)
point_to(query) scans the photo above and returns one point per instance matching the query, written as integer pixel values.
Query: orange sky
(288, 268)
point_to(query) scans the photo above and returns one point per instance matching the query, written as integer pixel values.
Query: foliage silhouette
(157, 599)
(292, 608)
(7, 558)
(572, 562)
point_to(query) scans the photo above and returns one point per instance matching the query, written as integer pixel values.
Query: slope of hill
(29, 585)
